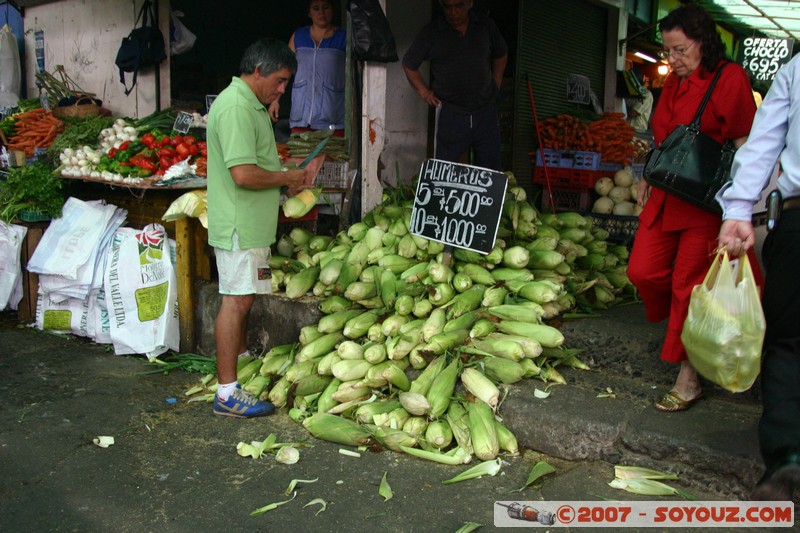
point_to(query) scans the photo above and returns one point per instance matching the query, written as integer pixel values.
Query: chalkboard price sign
(183, 122)
(459, 205)
(763, 56)
(579, 89)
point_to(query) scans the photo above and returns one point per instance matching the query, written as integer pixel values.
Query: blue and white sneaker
(242, 404)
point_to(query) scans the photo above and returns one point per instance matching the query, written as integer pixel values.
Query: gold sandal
(672, 403)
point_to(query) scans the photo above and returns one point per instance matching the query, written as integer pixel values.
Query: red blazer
(728, 115)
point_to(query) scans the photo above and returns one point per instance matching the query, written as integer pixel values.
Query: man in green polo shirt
(244, 187)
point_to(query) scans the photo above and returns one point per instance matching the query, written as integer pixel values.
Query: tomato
(124, 146)
(188, 140)
(166, 151)
(165, 162)
(175, 141)
(112, 152)
(183, 150)
(194, 150)
(148, 139)
(203, 151)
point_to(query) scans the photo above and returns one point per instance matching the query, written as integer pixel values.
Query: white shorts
(243, 272)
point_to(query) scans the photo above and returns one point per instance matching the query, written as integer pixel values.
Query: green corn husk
(348, 370)
(415, 403)
(548, 373)
(459, 457)
(330, 272)
(409, 336)
(392, 324)
(335, 322)
(374, 333)
(325, 402)
(404, 304)
(481, 328)
(444, 341)
(360, 290)
(417, 359)
(539, 292)
(478, 274)
(465, 321)
(334, 303)
(309, 334)
(545, 259)
(358, 254)
(319, 347)
(357, 231)
(646, 487)
(365, 413)
(531, 347)
(438, 434)
(247, 368)
(506, 439)
(375, 353)
(415, 425)
(434, 324)
(480, 386)
(396, 377)
(359, 325)
(348, 274)
(441, 389)
(486, 468)
(325, 363)
(300, 370)
(547, 336)
(349, 349)
(370, 274)
(320, 289)
(531, 369)
(512, 274)
(640, 472)
(457, 418)
(279, 392)
(416, 272)
(394, 419)
(521, 313)
(396, 263)
(495, 256)
(425, 379)
(494, 296)
(374, 237)
(461, 282)
(465, 302)
(407, 246)
(256, 385)
(374, 257)
(441, 293)
(337, 429)
(503, 370)
(422, 308)
(398, 227)
(302, 282)
(571, 219)
(311, 384)
(388, 287)
(440, 273)
(468, 256)
(351, 391)
(506, 348)
(393, 439)
(276, 365)
(483, 434)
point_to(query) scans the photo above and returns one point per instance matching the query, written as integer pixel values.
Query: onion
(620, 194)
(624, 178)
(623, 209)
(603, 205)
(603, 186)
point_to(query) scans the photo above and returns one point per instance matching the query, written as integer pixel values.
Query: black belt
(791, 203)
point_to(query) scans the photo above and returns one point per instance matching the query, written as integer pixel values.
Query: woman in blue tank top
(319, 84)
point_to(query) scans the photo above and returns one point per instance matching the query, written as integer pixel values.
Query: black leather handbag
(690, 164)
(143, 47)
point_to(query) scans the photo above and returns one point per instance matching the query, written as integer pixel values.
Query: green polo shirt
(239, 132)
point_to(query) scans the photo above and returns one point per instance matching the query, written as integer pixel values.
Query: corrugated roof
(773, 18)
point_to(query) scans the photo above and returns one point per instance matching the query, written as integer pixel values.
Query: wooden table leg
(184, 240)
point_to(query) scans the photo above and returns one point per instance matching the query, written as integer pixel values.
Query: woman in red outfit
(675, 242)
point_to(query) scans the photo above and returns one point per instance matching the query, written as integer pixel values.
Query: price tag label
(183, 122)
(579, 89)
(762, 57)
(210, 100)
(459, 205)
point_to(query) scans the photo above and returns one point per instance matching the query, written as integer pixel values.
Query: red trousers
(665, 266)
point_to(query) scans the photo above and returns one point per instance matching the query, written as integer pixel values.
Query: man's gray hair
(267, 55)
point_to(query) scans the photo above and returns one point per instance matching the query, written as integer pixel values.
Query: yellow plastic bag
(192, 204)
(724, 331)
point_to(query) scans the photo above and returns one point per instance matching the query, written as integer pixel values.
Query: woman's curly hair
(698, 25)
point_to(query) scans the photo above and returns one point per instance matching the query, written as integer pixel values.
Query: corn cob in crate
(414, 354)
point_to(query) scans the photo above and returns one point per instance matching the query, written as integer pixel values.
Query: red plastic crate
(582, 160)
(568, 177)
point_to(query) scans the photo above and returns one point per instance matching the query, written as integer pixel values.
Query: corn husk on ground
(414, 354)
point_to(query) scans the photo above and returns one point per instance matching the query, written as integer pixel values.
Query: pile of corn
(412, 353)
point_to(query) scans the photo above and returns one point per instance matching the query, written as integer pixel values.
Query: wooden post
(184, 244)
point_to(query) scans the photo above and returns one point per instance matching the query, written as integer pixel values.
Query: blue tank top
(318, 89)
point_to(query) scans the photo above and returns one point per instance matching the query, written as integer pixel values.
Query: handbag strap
(695, 124)
(147, 7)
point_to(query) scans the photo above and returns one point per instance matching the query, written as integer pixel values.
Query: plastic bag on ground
(724, 330)
(11, 238)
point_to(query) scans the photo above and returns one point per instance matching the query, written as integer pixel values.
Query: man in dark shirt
(467, 55)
